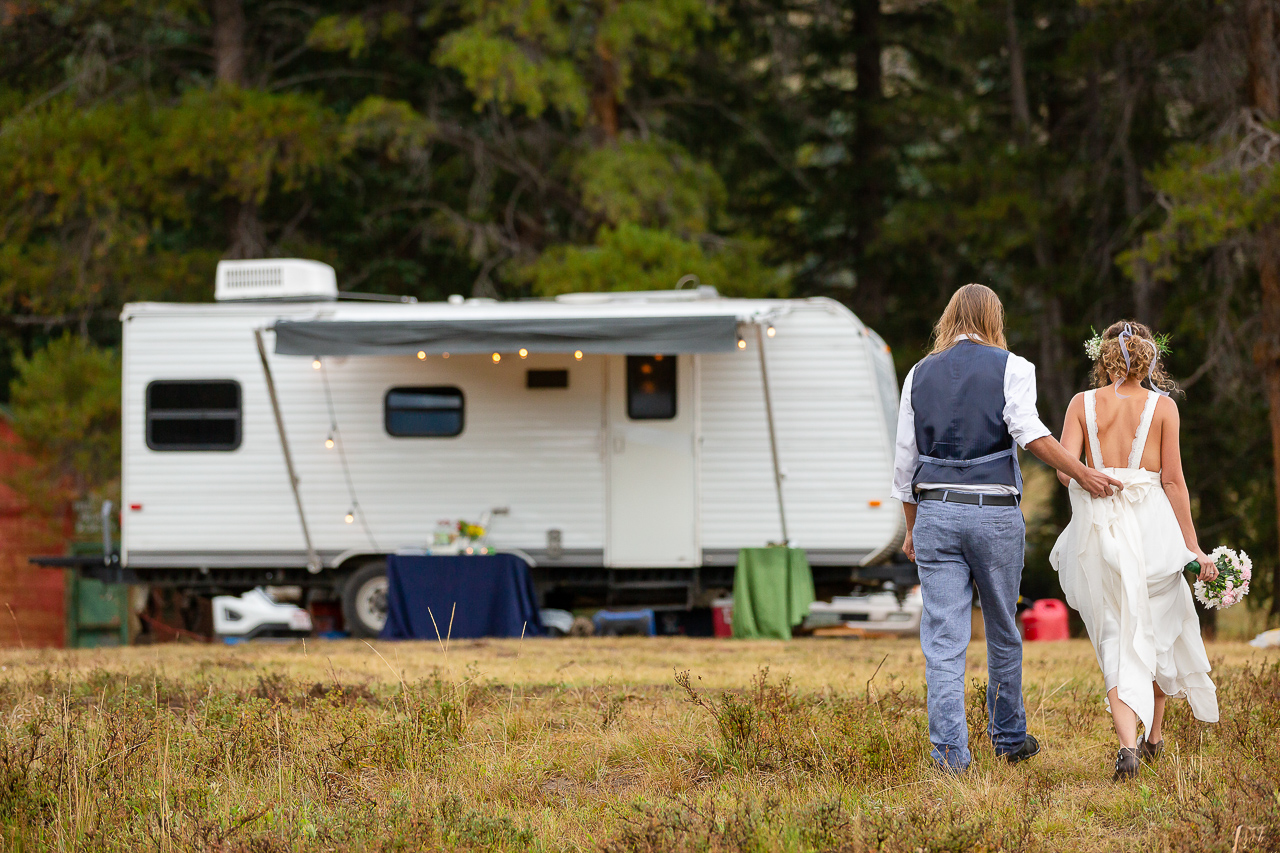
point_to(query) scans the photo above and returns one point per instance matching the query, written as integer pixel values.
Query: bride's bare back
(1118, 422)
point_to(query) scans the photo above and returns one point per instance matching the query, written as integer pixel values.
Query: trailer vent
(280, 279)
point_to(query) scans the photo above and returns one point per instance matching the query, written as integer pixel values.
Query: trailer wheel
(364, 600)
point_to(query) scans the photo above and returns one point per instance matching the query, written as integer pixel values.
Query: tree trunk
(870, 172)
(248, 237)
(228, 41)
(1017, 73)
(1263, 26)
(1267, 356)
(1131, 85)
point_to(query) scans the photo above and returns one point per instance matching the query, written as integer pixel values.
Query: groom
(963, 409)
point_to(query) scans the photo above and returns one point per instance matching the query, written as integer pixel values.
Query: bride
(1120, 559)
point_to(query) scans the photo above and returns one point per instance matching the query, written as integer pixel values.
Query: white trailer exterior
(577, 482)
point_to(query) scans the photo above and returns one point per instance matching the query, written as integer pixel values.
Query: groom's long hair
(974, 310)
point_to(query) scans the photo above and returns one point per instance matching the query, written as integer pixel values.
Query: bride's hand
(1208, 569)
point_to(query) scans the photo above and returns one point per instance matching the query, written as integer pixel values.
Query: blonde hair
(1144, 357)
(974, 310)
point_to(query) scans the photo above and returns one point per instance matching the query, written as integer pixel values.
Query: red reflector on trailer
(135, 507)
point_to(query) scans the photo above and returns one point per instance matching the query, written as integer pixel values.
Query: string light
(524, 353)
(771, 331)
(446, 355)
(328, 442)
(351, 516)
(315, 364)
(577, 354)
(742, 344)
(496, 358)
(421, 355)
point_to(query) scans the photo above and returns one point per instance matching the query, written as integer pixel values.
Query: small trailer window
(201, 414)
(424, 412)
(547, 379)
(651, 387)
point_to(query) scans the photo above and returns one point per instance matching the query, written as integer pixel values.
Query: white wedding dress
(1120, 562)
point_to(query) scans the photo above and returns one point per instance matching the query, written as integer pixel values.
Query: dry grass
(600, 745)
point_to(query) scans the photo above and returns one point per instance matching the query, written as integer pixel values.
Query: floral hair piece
(1093, 346)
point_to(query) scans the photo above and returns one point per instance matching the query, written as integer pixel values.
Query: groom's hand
(1097, 483)
(909, 548)
(1049, 451)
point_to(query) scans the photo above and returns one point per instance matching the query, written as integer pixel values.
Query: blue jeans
(958, 546)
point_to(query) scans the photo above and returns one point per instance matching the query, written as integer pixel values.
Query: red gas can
(722, 617)
(1046, 620)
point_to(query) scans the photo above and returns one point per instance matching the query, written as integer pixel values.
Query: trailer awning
(617, 335)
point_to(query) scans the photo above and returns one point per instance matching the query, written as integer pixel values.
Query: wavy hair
(1144, 356)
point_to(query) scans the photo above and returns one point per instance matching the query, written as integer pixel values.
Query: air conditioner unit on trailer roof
(274, 278)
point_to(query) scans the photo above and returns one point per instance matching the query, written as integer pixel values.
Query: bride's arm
(1175, 485)
(1072, 433)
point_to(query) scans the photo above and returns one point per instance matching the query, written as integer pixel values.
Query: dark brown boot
(1149, 751)
(1126, 765)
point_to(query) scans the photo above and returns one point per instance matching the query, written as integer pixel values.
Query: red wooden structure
(32, 600)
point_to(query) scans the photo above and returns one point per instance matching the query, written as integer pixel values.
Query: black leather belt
(968, 498)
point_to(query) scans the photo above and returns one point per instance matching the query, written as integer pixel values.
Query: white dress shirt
(1020, 418)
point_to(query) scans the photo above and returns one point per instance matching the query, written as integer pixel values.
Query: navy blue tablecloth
(489, 596)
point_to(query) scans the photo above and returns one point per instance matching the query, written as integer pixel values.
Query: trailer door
(652, 513)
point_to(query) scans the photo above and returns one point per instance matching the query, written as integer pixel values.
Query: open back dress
(1120, 563)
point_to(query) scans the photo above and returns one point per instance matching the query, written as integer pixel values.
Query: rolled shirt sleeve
(906, 454)
(1020, 416)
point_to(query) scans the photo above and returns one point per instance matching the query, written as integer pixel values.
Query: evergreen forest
(1090, 160)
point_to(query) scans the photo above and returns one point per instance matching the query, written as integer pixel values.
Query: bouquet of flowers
(1235, 570)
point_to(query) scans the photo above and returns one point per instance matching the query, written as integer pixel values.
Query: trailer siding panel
(537, 452)
(832, 439)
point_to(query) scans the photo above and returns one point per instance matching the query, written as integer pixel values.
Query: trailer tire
(364, 599)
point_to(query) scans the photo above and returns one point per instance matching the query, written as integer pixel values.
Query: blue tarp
(487, 597)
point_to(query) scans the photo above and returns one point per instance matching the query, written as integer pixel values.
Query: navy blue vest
(958, 399)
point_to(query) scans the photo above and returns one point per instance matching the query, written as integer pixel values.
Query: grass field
(601, 744)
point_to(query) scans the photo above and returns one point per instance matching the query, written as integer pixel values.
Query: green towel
(772, 591)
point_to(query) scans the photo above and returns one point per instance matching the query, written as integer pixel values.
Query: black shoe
(1126, 765)
(1149, 751)
(1029, 748)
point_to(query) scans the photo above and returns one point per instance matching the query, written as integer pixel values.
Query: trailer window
(651, 387)
(424, 412)
(201, 414)
(547, 379)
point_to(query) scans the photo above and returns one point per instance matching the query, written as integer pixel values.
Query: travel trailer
(627, 444)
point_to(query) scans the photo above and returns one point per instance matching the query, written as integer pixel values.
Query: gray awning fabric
(622, 335)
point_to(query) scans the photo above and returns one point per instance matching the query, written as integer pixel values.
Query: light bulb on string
(496, 358)
(351, 516)
(328, 442)
(742, 343)
(524, 353)
(446, 355)
(315, 363)
(577, 354)
(421, 355)
(771, 331)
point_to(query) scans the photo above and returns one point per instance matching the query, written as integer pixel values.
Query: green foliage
(499, 70)
(539, 54)
(244, 141)
(65, 407)
(652, 183)
(392, 127)
(632, 257)
(1218, 193)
